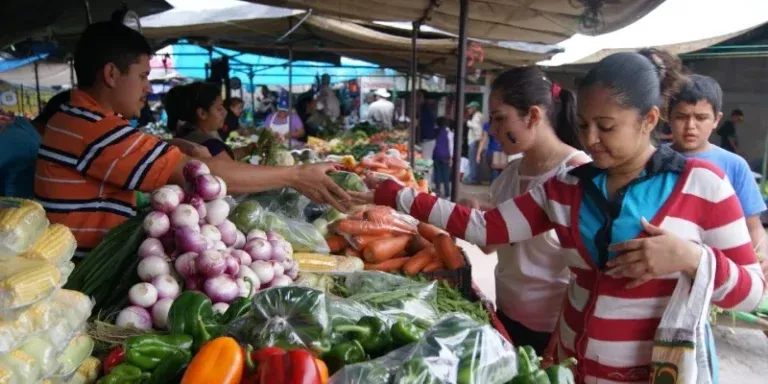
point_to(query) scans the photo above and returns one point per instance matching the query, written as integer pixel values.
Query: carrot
(385, 249)
(419, 261)
(351, 252)
(434, 265)
(362, 241)
(394, 162)
(389, 218)
(372, 163)
(448, 252)
(418, 243)
(336, 243)
(357, 227)
(391, 265)
(429, 231)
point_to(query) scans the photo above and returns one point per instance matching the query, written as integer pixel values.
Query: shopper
(382, 111)
(530, 115)
(442, 157)
(279, 122)
(474, 131)
(90, 165)
(427, 125)
(728, 136)
(626, 268)
(234, 106)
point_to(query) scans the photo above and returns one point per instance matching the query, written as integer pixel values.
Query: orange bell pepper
(218, 361)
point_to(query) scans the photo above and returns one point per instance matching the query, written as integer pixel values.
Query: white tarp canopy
(52, 74)
(680, 26)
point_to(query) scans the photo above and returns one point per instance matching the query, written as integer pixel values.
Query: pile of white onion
(189, 235)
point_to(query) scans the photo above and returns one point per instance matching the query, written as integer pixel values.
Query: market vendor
(279, 122)
(626, 268)
(196, 113)
(91, 160)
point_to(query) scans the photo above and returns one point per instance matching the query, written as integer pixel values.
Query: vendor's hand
(312, 181)
(659, 254)
(361, 198)
(478, 157)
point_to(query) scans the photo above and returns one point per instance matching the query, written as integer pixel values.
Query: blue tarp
(11, 64)
(194, 66)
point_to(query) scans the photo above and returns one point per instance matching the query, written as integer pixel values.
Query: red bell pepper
(292, 367)
(254, 359)
(114, 357)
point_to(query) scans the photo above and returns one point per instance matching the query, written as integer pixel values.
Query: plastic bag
(456, 350)
(19, 233)
(369, 223)
(286, 317)
(24, 282)
(78, 349)
(393, 295)
(348, 181)
(57, 245)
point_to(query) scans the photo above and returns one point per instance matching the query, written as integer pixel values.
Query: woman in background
(279, 124)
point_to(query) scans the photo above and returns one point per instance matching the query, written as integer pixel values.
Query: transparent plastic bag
(377, 371)
(24, 282)
(22, 222)
(18, 367)
(370, 223)
(78, 349)
(394, 295)
(348, 181)
(57, 245)
(286, 317)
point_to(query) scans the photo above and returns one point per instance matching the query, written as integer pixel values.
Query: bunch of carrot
(393, 242)
(392, 166)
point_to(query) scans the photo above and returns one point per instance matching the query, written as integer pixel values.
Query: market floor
(743, 354)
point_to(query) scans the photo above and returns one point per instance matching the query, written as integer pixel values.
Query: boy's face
(130, 87)
(692, 124)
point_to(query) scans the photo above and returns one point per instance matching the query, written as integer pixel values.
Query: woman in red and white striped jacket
(625, 267)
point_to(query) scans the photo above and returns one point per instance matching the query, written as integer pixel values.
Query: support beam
(37, 89)
(461, 74)
(414, 84)
(290, 97)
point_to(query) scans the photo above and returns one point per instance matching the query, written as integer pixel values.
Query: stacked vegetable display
(191, 238)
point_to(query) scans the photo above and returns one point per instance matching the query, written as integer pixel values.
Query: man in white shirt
(474, 127)
(382, 110)
(327, 100)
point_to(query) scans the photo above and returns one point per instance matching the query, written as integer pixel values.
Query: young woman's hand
(361, 198)
(312, 181)
(659, 254)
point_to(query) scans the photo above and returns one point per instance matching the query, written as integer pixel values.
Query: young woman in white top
(533, 117)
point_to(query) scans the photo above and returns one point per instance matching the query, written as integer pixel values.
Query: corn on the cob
(315, 262)
(88, 372)
(55, 246)
(20, 225)
(27, 283)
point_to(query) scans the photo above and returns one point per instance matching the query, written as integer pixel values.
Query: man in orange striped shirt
(91, 160)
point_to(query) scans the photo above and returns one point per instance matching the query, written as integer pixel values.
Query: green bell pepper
(416, 371)
(532, 356)
(192, 314)
(561, 374)
(171, 369)
(147, 351)
(528, 371)
(404, 333)
(348, 352)
(124, 374)
(371, 332)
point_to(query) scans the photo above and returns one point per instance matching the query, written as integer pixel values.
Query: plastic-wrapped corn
(87, 373)
(77, 351)
(21, 224)
(18, 367)
(43, 352)
(57, 245)
(24, 282)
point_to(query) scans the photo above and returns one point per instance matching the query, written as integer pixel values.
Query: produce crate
(460, 278)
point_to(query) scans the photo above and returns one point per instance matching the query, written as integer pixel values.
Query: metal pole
(290, 95)
(72, 72)
(414, 82)
(461, 72)
(37, 89)
(253, 95)
(88, 19)
(22, 99)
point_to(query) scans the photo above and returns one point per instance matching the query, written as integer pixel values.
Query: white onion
(185, 216)
(143, 295)
(135, 317)
(156, 224)
(281, 281)
(281, 249)
(219, 246)
(256, 234)
(160, 312)
(263, 270)
(246, 288)
(165, 199)
(247, 273)
(288, 263)
(220, 308)
(293, 273)
(179, 190)
(223, 185)
(221, 289)
(151, 267)
(273, 235)
(151, 247)
(233, 265)
(210, 263)
(185, 264)
(167, 287)
(190, 240)
(199, 204)
(207, 187)
(259, 249)
(228, 232)
(277, 266)
(243, 256)
(210, 232)
(194, 168)
(240, 241)
(218, 210)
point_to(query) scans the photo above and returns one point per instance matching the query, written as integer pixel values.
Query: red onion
(288, 263)
(210, 263)
(134, 317)
(233, 265)
(151, 247)
(281, 249)
(143, 295)
(259, 249)
(160, 312)
(277, 266)
(190, 240)
(242, 256)
(272, 235)
(207, 187)
(192, 284)
(199, 204)
(195, 168)
(165, 199)
(151, 267)
(264, 271)
(185, 265)
(167, 287)
(169, 241)
(218, 210)
(179, 190)
(223, 191)
(228, 232)
(293, 273)
(156, 224)
(240, 241)
(221, 289)
(219, 246)
(210, 232)
(281, 281)
(185, 216)
(256, 234)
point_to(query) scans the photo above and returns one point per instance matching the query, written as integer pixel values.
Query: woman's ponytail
(172, 103)
(565, 120)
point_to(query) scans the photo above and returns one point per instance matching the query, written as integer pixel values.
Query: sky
(674, 21)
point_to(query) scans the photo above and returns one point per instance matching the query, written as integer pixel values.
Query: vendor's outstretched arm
(510, 222)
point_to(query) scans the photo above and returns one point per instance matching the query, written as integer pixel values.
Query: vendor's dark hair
(641, 80)
(232, 101)
(107, 42)
(182, 102)
(699, 88)
(525, 87)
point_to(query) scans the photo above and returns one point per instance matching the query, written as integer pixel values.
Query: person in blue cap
(279, 122)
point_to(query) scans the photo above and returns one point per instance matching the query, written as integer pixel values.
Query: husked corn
(56, 245)
(20, 226)
(12, 217)
(28, 283)
(315, 262)
(89, 370)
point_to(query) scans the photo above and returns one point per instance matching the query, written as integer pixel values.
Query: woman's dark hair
(232, 101)
(182, 102)
(642, 80)
(525, 87)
